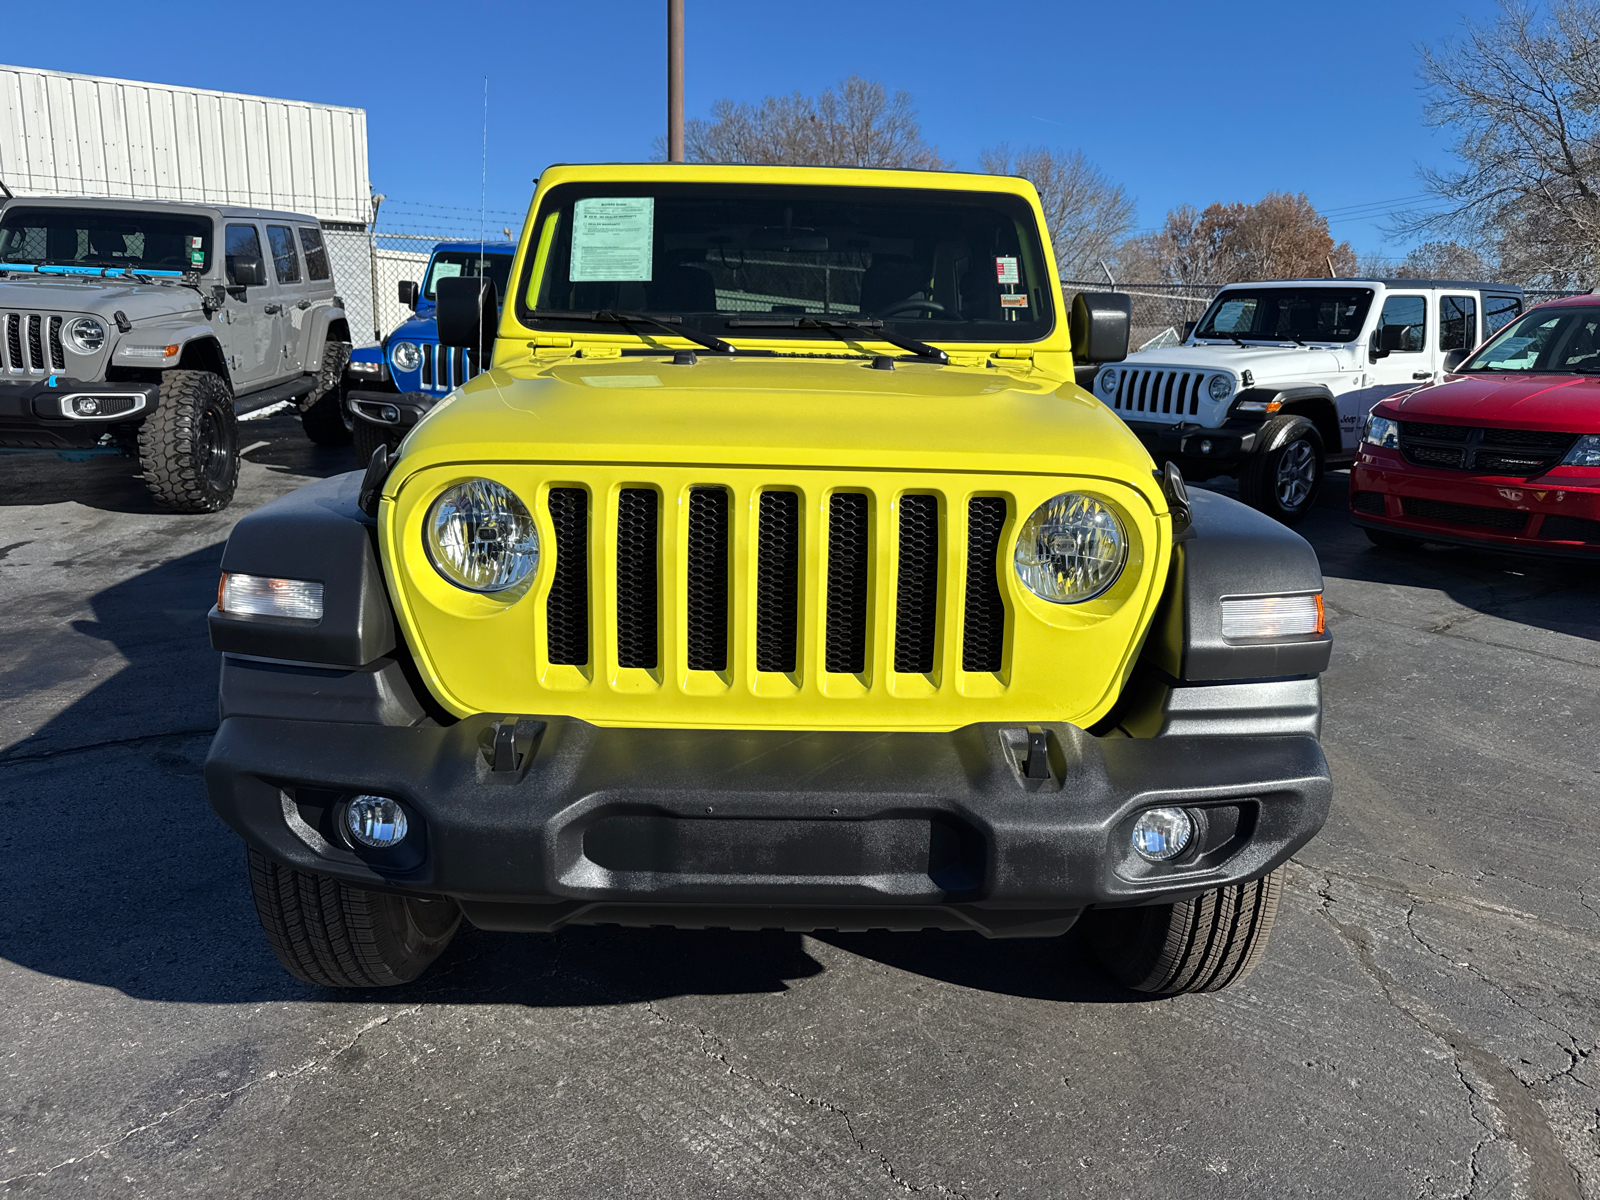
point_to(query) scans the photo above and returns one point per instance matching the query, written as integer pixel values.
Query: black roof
(1478, 285)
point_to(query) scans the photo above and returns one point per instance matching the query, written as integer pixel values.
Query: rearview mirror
(246, 270)
(409, 293)
(1100, 326)
(467, 311)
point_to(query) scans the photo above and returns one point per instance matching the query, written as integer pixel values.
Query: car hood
(1563, 403)
(137, 301)
(1264, 362)
(780, 412)
(416, 329)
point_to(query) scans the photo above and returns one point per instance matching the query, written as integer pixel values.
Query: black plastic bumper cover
(705, 827)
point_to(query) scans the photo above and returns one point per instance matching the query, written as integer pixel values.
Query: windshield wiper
(873, 329)
(1213, 337)
(612, 316)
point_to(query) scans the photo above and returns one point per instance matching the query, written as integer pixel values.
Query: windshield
(1552, 340)
(1311, 314)
(934, 264)
(104, 237)
(448, 264)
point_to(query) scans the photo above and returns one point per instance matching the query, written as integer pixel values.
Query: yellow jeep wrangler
(779, 574)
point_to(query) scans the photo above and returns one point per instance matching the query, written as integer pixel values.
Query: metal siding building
(83, 135)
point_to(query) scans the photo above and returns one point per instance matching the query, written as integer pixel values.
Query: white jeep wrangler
(1273, 383)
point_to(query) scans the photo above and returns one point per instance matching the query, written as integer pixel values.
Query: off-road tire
(189, 447)
(326, 420)
(1199, 945)
(368, 437)
(1385, 540)
(334, 935)
(1282, 477)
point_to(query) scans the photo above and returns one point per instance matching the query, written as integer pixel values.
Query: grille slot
(707, 600)
(14, 343)
(849, 545)
(36, 342)
(638, 575)
(777, 581)
(1570, 529)
(984, 627)
(1506, 519)
(58, 358)
(426, 377)
(1437, 433)
(1368, 502)
(916, 605)
(567, 610)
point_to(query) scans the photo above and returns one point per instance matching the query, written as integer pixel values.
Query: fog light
(1162, 833)
(1205, 446)
(375, 821)
(1272, 617)
(390, 414)
(263, 596)
(86, 406)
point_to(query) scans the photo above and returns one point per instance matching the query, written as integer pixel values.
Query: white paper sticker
(446, 270)
(622, 381)
(1005, 270)
(612, 239)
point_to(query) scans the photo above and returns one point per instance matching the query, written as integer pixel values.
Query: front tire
(189, 447)
(368, 437)
(333, 935)
(1199, 945)
(1283, 480)
(328, 421)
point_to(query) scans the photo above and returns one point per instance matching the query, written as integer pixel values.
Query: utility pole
(675, 81)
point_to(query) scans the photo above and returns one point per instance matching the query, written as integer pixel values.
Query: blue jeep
(390, 387)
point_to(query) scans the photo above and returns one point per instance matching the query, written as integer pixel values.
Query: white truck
(1272, 384)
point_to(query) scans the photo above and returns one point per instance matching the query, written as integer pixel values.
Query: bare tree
(1523, 96)
(857, 124)
(1444, 260)
(1086, 213)
(1280, 236)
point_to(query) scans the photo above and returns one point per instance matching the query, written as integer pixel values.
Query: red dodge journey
(1504, 450)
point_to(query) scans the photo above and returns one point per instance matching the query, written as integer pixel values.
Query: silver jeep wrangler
(150, 326)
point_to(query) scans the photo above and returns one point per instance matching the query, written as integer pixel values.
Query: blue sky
(1180, 102)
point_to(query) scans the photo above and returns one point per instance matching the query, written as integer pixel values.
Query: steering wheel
(895, 310)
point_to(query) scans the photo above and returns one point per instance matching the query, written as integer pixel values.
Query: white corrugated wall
(82, 135)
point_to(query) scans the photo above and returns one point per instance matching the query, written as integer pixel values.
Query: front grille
(916, 604)
(1570, 529)
(1522, 452)
(1158, 392)
(30, 343)
(984, 631)
(638, 579)
(849, 543)
(36, 341)
(1368, 502)
(445, 368)
(58, 358)
(707, 565)
(1476, 515)
(778, 581)
(567, 610)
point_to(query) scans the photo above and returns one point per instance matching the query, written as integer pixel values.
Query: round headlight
(87, 335)
(1108, 382)
(480, 537)
(406, 356)
(1071, 549)
(1220, 387)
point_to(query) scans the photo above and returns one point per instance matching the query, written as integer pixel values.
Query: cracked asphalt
(1424, 1025)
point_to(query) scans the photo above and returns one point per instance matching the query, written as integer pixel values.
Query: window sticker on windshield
(612, 239)
(197, 254)
(445, 270)
(1013, 302)
(1005, 270)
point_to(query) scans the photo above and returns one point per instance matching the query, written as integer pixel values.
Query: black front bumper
(1198, 452)
(31, 410)
(391, 410)
(765, 828)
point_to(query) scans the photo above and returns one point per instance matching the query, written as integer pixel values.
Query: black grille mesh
(1538, 440)
(916, 606)
(567, 610)
(36, 341)
(849, 544)
(777, 581)
(1465, 514)
(1570, 529)
(637, 576)
(707, 599)
(14, 343)
(1439, 433)
(984, 635)
(58, 360)
(1368, 502)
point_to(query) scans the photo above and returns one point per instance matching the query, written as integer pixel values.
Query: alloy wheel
(1297, 474)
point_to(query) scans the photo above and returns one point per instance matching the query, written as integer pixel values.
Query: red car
(1503, 451)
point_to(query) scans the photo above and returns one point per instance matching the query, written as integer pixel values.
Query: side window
(1410, 315)
(1500, 311)
(285, 259)
(316, 252)
(241, 239)
(1458, 323)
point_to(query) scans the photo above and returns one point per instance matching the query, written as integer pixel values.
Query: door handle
(271, 309)
(1422, 374)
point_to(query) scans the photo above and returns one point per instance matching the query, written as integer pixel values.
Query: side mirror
(247, 270)
(1453, 359)
(467, 310)
(409, 291)
(1386, 339)
(1100, 325)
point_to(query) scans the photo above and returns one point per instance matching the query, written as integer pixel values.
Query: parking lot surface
(1425, 1022)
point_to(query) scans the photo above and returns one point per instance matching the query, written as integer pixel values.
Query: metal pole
(675, 81)
(372, 257)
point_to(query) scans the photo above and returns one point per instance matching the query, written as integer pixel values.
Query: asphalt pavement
(1424, 1025)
